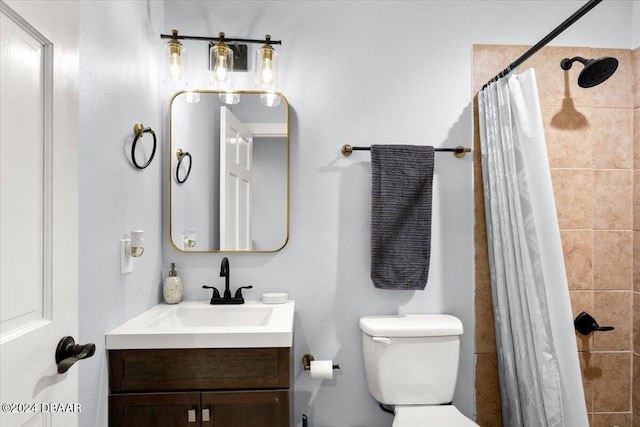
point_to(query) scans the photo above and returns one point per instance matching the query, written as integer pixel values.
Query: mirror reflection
(229, 171)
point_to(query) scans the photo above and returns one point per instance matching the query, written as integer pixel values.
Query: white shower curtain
(540, 379)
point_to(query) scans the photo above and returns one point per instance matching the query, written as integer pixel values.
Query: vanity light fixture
(132, 246)
(267, 73)
(175, 58)
(221, 63)
(266, 66)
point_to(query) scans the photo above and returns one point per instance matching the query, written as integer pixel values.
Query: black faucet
(226, 299)
(224, 272)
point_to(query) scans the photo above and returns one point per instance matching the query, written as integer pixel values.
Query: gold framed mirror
(228, 171)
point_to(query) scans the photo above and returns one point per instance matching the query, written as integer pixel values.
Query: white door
(236, 144)
(38, 210)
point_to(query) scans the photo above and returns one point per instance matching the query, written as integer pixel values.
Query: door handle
(585, 324)
(68, 353)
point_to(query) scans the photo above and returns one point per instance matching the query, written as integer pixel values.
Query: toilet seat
(430, 416)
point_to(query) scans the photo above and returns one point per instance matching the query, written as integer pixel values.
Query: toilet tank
(411, 359)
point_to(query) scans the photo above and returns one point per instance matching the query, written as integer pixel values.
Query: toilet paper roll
(321, 369)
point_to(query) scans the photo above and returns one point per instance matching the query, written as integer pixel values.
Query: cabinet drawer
(198, 369)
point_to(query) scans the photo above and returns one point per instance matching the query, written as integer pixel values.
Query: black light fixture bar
(216, 39)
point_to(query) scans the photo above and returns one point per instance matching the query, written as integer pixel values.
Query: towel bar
(458, 151)
(140, 130)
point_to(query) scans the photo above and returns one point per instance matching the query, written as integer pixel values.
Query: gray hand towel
(401, 194)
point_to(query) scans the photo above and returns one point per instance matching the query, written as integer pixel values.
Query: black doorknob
(585, 324)
(68, 353)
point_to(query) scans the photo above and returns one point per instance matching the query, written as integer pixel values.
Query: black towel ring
(140, 130)
(181, 155)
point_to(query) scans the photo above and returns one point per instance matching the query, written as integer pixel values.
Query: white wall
(636, 24)
(355, 72)
(118, 88)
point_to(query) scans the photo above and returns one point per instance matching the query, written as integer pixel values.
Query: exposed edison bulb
(221, 64)
(267, 76)
(266, 67)
(176, 70)
(175, 66)
(221, 69)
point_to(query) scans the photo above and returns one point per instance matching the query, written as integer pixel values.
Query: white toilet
(411, 362)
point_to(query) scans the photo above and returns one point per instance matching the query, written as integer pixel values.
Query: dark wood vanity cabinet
(200, 387)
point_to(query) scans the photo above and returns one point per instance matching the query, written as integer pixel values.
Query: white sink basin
(192, 324)
(207, 316)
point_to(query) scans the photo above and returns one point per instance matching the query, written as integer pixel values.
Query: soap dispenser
(172, 289)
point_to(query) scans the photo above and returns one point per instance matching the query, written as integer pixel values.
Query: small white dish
(275, 298)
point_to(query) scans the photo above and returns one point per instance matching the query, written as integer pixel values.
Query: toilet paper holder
(308, 358)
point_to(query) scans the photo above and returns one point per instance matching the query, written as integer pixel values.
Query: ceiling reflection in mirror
(229, 171)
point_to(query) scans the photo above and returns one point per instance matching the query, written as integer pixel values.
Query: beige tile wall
(590, 139)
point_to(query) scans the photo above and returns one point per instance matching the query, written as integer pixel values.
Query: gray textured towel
(401, 194)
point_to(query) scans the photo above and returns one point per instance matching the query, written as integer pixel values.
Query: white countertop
(198, 324)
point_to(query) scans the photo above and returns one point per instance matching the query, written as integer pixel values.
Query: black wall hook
(585, 324)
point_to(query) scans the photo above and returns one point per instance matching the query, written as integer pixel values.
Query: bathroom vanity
(193, 364)
(200, 387)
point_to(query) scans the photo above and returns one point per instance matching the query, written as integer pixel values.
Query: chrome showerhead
(595, 71)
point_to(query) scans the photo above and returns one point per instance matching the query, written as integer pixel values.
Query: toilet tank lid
(411, 325)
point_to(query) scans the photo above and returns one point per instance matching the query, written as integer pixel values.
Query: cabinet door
(155, 409)
(269, 408)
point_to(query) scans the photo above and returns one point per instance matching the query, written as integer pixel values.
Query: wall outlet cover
(126, 261)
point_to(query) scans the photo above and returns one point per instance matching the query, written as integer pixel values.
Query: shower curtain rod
(552, 35)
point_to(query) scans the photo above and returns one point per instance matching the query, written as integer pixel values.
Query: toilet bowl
(411, 362)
